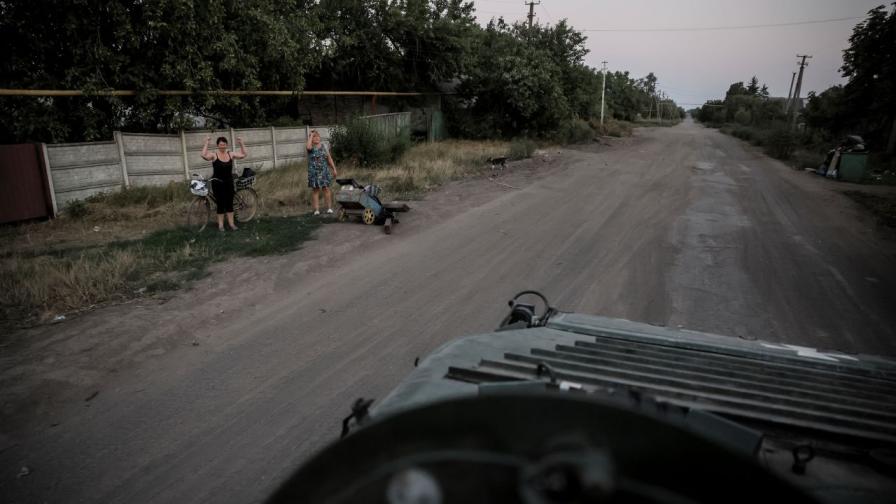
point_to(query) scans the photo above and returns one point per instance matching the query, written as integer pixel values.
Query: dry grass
(131, 242)
(103, 223)
(43, 285)
(617, 129)
(423, 168)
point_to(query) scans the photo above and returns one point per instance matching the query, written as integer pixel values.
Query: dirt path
(215, 396)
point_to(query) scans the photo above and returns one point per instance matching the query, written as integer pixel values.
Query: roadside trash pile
(848, 161)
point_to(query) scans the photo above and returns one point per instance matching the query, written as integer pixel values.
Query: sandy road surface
(214, 397)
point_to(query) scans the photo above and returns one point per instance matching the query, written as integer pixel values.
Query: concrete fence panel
(259, 147)
(80, 170)
(194, 142)
(152, 159)
(290, 145)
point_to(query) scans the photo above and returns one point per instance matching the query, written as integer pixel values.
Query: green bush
(743, 116)
(616, 129)
(360, 139)
(753, 135)
(77, 209)
(399, 144)
(521, 148)
(807, 159)
(780, 143)
(575, 131)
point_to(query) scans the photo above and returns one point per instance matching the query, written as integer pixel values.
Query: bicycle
(245, 201)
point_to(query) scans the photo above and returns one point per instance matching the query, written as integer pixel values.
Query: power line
(477, 11)
(495, 12)
(673, 90)
(548, 14)
(722, 28)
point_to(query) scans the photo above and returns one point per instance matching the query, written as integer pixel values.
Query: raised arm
(308, 143)
(206, 155)
(242, 153)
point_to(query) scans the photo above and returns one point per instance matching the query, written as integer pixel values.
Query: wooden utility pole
(531, 15)
(603, 92)
(799, 85)
(789, 93)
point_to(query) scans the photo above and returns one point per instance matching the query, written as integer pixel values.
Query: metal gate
(24, 189)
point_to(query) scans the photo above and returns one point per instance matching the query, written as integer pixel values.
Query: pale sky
(693, 66)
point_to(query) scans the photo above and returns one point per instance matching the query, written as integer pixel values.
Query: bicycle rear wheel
(245, 204)
(199, 214)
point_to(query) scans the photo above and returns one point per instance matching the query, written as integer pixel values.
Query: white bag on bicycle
(199, 188)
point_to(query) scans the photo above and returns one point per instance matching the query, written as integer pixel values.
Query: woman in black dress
(222, 188)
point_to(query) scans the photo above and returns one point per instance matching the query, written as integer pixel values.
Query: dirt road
(213, 396)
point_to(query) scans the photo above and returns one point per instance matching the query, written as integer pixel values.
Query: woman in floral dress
(320, 166)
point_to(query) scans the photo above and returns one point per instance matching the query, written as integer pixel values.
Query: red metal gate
(24, 189)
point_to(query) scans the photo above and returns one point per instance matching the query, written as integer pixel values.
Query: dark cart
(363, 202)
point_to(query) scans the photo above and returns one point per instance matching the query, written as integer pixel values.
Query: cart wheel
(341, 215)
(368, 217)
(388, 226)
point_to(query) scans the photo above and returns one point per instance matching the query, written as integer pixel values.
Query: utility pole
(603, 92)
(531, 15)
(789, 93)
(799, 85)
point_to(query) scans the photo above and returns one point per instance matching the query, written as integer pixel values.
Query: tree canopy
(511, 79)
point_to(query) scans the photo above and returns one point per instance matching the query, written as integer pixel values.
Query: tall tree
(736, 89)
(870, 65)
(753, 86)
(648, 83)
(398, 45)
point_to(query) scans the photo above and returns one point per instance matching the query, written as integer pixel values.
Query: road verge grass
(882, 206)
(36, 286)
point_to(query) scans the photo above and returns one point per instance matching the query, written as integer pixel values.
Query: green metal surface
(854, 166)
(436, 126)
(391, 125)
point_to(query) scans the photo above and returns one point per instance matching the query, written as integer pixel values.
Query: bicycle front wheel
(245, 204)
(199, 214)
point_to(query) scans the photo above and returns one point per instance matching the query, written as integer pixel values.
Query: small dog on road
(498, 162)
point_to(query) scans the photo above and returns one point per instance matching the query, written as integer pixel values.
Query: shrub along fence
(79, 170)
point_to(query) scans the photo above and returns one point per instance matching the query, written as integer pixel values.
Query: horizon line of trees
(510, 79)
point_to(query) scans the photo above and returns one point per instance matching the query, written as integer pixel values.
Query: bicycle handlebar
(199, 177)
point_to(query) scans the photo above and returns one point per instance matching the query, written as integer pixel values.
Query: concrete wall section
(84, 169)
(153, 159)
(259, 147)
(81, 170)
(290, 145)
(195, 140)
